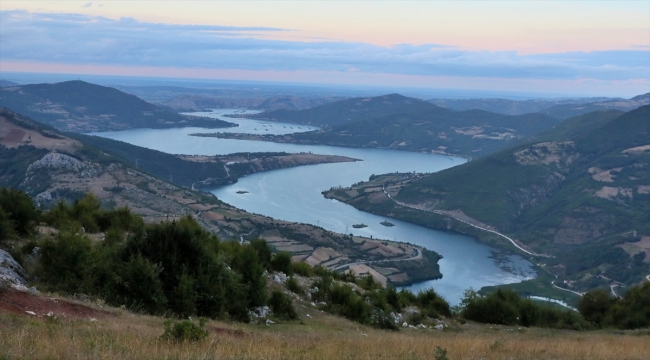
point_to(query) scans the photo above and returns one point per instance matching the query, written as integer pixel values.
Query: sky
(599, 48)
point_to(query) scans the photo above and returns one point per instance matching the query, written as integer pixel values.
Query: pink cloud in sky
(583, 86)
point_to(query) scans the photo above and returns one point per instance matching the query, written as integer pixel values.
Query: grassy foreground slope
(121, 334)
(83, 107)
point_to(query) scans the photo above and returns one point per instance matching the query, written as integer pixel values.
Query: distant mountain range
(399, 122)
(188, 102)
(559, 108)
(4, 83)
(83, 107)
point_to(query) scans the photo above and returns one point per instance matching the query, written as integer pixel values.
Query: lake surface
(295, 195)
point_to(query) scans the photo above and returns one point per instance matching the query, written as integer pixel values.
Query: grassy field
(118, 334)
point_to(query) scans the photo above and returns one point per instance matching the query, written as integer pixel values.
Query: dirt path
(40, 306)
(563, 289)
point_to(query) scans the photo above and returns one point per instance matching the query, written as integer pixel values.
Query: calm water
(295, 195)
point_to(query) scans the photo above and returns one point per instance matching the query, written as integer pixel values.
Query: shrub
(180, 331)
(507, 308)
(282, 262)
(65, 261)
(432, 304)
(293, 286)
(595, 305)
(282, 306)
(302, 269)
(17, 213)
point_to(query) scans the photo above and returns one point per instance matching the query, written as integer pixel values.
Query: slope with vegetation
(52, 167)
(583, 198)
(178, 270)
(83, 107)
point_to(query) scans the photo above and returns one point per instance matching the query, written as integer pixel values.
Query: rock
(260, 312)
(93, 320)
(269, 322)
(422, 326)
(12, 275)
(321, 303)
(439, 327)
(31, 313)
(397, 318)
(50, 314)
(405, 324)
(309, 316)
(280, 278)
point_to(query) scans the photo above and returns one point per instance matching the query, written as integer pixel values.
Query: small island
(242, 192)
(359, 226)
(387, 223)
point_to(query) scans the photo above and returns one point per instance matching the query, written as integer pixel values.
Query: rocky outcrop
(64, 162)
(12, 275)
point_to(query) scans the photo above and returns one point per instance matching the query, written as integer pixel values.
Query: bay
(294, 194)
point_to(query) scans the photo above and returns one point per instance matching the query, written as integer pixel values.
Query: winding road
(468, 223)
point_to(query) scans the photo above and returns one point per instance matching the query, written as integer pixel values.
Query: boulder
(12, 275)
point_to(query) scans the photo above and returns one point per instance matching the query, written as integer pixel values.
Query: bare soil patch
(20, 302)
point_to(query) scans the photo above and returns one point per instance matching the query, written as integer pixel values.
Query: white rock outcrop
(12, 275)
(64, 162)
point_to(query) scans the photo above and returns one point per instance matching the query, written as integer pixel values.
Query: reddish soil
(20, 302)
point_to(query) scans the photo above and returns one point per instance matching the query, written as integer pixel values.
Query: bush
(595, 305)
(293, 286)
(302, 269)
(282, 262)
(184, 331)
(507, 308)
(432, 304)
(633, 311)
(65, 262)
(17, 213)
(282, 306)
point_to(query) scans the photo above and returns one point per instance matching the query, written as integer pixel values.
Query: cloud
(87, 5)
(91, 40)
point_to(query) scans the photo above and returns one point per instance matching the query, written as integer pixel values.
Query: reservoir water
(295, 195)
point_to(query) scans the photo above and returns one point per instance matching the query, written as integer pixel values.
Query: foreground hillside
(582, 198)
(120, 334)
(83, 107)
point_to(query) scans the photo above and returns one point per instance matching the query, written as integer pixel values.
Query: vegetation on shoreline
(580, 197)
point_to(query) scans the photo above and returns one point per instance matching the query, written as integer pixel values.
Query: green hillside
(471, 133)
(83, 107)
(579, 193)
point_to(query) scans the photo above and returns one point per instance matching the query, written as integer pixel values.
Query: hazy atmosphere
(325, 180)
(554, 48)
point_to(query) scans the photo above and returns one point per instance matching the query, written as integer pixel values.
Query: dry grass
(129, 336)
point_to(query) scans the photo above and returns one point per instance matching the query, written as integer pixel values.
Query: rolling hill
(83, 107)
(561, 108)
(582, 197)
(349, 110)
